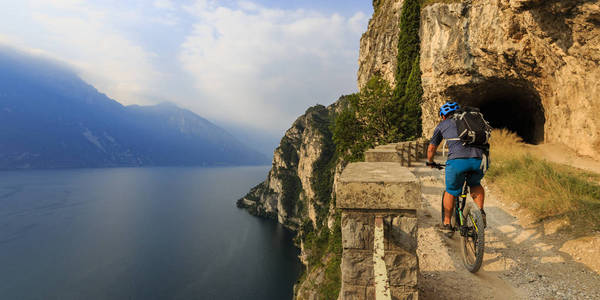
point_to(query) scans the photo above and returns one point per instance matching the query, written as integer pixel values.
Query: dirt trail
(523, 260)
(562, 154)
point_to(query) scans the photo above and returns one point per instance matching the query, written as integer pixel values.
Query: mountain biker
(461, 159)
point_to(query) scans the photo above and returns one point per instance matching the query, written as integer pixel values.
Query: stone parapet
(384, 153)
(379, 231)
(377, 186)
(403, 153)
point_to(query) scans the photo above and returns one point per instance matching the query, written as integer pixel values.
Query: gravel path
(523, 259)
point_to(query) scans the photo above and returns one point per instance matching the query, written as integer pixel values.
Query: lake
(139, 233)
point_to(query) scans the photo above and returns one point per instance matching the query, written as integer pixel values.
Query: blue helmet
(448, 108)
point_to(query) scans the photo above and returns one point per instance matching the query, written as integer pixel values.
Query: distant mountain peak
(53, 119)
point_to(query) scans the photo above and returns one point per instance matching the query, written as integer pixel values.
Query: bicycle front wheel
(473, 240)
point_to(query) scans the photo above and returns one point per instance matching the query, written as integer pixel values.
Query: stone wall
(379, 231)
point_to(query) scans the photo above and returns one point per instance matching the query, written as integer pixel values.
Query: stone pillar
(379, 231)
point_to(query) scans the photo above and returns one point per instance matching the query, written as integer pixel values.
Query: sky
(251, 67)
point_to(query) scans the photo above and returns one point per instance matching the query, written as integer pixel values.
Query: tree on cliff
(379, 114)
(408, 91)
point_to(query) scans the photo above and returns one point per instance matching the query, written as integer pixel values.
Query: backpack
(473, 129)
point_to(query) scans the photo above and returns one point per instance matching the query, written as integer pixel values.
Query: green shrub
(330, 288)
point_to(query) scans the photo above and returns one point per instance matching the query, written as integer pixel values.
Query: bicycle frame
(464, 221)
(459, 206)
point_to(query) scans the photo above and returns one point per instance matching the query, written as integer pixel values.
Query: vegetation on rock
(380, 114)
(324, 252)
(376, 4)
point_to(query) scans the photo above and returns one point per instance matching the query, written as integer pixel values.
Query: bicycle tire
(473, 244)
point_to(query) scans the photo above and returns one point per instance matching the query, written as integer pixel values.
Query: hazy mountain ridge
(52, 119)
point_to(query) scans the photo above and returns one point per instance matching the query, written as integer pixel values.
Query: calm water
(167, 233)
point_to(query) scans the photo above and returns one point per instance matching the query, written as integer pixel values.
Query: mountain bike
(467, 220)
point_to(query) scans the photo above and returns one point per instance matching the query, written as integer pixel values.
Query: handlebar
(435, 165)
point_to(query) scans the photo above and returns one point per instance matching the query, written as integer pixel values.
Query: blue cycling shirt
(447, 130)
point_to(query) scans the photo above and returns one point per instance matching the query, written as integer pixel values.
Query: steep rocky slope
(530, 65)
(298, 194)
(289, 193)
(379, 44)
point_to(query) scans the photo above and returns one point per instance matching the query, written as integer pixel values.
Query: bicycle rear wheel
(473, 241)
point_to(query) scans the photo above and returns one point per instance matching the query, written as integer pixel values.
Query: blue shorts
(455, 174)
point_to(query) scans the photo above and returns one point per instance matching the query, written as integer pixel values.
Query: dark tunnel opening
(513, 105)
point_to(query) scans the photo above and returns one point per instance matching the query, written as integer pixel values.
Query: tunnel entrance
(513, 105)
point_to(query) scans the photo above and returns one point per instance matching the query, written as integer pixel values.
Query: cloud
(265, 66)
(164, 4)
(235, 62)
(82, 35)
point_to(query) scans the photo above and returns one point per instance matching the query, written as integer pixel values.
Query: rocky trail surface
(523, 259)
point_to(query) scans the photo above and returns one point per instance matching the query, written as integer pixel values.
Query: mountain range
(51, 118)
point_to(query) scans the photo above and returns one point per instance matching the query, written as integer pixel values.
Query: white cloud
(235, 62)
(81, 35)
(264, 66)
(164, 4)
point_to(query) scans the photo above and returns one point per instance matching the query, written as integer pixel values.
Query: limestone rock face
(531, 66)
(379, 44)
(288, 191)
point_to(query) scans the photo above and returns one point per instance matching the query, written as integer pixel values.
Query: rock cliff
(289, 194)
(379, 44)
(531, 66)
(298, 193)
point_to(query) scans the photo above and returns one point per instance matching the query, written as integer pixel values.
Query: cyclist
(461, 159)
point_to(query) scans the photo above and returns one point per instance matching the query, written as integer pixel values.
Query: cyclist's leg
(474, 182)
(454, 183)
(478, 194)
(448, 204)
(477, 191)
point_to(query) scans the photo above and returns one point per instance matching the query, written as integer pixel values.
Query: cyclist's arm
(435, 141)
(431, 152)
